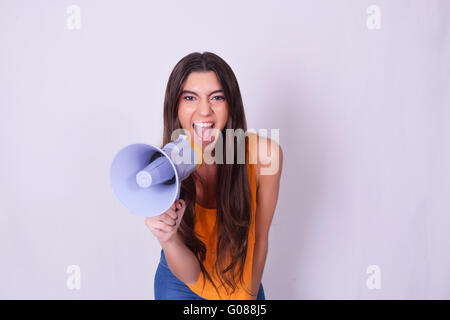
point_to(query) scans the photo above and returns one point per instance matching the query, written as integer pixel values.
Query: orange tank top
(204, 222)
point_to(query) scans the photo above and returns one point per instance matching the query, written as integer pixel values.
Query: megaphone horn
(147, 180)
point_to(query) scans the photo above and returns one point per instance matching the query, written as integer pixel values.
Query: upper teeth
(203, 124)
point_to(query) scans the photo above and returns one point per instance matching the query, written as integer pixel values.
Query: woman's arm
(268, 173)
(180, 259)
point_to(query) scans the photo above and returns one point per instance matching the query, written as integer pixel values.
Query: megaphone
(147, 180)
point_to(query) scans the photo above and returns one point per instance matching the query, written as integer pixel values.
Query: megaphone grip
(158, 171)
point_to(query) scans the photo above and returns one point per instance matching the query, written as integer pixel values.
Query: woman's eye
(187, 98)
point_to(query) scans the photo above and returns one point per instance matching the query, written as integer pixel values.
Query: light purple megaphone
(147, 180)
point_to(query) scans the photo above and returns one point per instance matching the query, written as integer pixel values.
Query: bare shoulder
(267, 155)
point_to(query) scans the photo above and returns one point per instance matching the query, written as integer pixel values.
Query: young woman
(214, 239)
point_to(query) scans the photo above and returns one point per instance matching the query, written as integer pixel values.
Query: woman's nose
(204, 108)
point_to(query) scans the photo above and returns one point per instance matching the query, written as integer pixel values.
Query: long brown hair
(233, 198)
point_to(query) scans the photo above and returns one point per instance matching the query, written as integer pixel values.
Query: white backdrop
(359, 91)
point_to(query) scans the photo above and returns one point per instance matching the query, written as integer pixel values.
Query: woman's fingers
(174, 210)
(162, 226)
(167, 219)
(171, 213)
(149, 222)
(157, 232)
(181, 204)
(165, 225)
(154, 222)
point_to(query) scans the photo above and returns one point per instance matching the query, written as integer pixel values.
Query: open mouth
(204, 130)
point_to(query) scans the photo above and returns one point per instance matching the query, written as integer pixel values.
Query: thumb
(181, 208)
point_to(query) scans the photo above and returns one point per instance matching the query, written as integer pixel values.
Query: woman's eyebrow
(193, 92)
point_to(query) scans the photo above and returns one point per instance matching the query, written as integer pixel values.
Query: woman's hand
(164, 227)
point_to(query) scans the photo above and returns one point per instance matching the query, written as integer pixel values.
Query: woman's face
(202, 108)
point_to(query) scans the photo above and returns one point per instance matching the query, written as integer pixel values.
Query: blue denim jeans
(168, 287)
